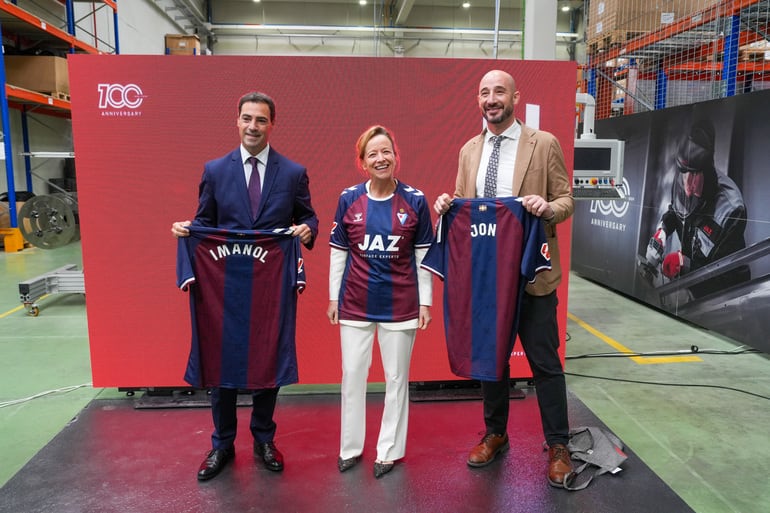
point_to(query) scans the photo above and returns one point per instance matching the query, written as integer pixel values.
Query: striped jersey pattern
(485, 251)
(243, 289)
(379, 283)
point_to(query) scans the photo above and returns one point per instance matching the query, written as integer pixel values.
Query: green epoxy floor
(709, 444)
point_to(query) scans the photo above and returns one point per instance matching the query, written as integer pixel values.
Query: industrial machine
(598, 163)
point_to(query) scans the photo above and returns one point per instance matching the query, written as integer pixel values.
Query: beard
(506, 113)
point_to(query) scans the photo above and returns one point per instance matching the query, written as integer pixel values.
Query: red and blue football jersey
(486, 250)
(379, 283)
(243, 306)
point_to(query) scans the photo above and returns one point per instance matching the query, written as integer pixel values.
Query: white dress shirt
(261, 161)
(508, 148)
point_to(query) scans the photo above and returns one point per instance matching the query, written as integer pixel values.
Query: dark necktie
(255, 190)
(490, 182)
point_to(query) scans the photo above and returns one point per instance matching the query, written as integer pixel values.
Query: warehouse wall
(141, 28)
(142, 25)
(387, 42)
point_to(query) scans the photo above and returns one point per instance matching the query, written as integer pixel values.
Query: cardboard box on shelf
(610, 18)
(182, 44)
(613, 16)
(5, 213)
(611, 39)
(41, 73)
(679, 9)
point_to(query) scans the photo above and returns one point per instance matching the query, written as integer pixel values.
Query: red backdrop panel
(144, 125)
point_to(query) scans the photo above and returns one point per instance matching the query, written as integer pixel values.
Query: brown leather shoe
(484, 453)
(559, 465)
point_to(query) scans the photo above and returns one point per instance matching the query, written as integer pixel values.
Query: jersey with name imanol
(486, 250)
(379, 283)
(243, 305)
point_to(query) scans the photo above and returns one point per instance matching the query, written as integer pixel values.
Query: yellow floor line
(642, 360)
(9, 312)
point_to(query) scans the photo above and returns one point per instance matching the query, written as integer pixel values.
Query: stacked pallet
(611, 23)
(45, 74)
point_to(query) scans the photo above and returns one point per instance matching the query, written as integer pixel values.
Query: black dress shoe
(380, 469)
(214, 463)
(347, 464)
(271, 456)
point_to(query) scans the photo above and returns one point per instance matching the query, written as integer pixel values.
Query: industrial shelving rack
(717, 51)
(24, 29)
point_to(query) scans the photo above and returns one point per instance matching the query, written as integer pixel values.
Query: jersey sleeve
(435, 259)
(301, 276)
(424, 236)
(536, 256)
(338, 237)
(184, 269)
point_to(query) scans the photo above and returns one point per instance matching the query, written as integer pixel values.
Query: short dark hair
(258, 97)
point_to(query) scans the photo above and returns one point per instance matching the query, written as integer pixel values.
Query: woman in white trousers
(382, 230)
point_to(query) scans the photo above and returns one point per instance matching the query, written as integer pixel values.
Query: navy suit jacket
(223, 196)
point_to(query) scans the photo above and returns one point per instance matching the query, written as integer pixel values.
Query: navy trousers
(539, 335)
(223, 411)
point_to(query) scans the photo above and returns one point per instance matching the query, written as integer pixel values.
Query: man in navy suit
(233, 196)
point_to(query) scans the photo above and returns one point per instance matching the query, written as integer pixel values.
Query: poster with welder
(143, 127)
(694, 237)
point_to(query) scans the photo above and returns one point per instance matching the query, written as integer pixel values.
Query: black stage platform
(116, 458)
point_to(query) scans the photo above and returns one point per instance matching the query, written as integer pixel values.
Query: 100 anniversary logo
(120, 100)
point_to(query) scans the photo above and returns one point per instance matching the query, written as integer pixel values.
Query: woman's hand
(332, 312)
(425, 317)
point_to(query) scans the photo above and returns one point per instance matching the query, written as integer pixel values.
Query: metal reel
(50, 221)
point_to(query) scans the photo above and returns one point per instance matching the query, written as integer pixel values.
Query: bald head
(497, 97)
(497, 76)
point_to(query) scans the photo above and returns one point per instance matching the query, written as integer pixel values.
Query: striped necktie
(490, 182)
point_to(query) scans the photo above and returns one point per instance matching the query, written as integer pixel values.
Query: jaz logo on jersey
(377, 243)
(402, 216)
(545, 251)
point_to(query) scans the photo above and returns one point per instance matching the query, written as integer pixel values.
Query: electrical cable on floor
(693, 350)
(41, 394)
(623, 380)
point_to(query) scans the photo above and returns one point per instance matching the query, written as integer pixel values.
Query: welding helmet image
(695, 182)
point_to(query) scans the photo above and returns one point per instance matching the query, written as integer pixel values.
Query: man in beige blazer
(530, 166)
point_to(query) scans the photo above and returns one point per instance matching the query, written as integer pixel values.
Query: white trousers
(396, 351)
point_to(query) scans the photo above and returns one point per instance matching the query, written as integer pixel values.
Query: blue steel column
(115, 22)
(7, 142)
(591, 82)
(730, 58)
(661, 88)
(25, 141)
(70, 14)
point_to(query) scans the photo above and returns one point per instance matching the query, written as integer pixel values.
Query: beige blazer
(539, 169)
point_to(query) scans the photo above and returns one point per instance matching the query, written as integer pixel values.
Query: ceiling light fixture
(565, 8)
(466, 5)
